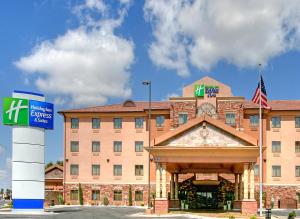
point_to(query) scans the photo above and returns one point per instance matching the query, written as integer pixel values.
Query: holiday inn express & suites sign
(24, 112)
(201, 89)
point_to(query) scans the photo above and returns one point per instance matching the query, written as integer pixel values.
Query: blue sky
(93, 52)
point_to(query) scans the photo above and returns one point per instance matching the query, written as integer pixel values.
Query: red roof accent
(275, 105)
(139, 107)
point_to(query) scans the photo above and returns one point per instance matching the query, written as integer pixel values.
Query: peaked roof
(53, 167)
(134, 106)
(217, 123)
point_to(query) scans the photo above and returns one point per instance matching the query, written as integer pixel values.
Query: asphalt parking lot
(109, 213)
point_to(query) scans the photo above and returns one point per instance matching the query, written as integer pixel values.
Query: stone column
(252, 182)
(246, 182)
(176, 186)
(164, 181)
(240, 186)
(157, 178)
(236, 187)
(172, 186)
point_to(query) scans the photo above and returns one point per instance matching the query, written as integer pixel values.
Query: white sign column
(28, 163)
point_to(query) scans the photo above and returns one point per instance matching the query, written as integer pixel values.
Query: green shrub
(105, 200)
(292, 215)
(60, 199)
(253, 217)
(231, 217)
(80, 195)
(130, 196)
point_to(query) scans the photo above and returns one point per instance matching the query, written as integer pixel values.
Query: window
(139, 123)
(276, 171)
(297, 146)
(117, 146)
(74, 168)
(230, 119)
(276, 120)
(95, 123)
(118, 195)
(139, 170)
(117, 123)
(96, 170)
(74, 123)
(253, 120)
(297, 121)
(139, 146)
(297, 171)
(160, 121)
(74, 195)
(117, 170)
(74, 146)
(138, 196)
(256, 170)
(95, 195)
(96, 146)
(276, 146)
(182, 119)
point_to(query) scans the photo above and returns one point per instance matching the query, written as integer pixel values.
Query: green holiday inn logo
(199, 90)
(15, 111)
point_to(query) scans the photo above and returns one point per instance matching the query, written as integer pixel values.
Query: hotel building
(204, 151)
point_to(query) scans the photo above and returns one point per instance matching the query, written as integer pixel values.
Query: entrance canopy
(205, 140)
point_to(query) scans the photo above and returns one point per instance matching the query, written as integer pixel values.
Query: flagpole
(260, 146)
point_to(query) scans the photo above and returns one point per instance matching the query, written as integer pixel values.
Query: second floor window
(139, 146)
(117, 123)
(74, 169)
(297, 169)
(254, 120)
(139, 170)
(74, 123)
(139, 123)
(96, 170)
(74, 146)
(96, 146)
(276, 122)
(117, 170)
(297, 146)
(276, 171)
(160, 121)
(95, 123)
(297, 122)
(182, 119)
(230, 119)
(276, 146)
(117, 146)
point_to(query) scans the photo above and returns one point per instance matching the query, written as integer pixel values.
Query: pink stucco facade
(180, 152)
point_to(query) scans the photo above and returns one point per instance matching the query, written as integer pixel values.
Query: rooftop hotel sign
(24, 112)
(201, 89)
(29, 115)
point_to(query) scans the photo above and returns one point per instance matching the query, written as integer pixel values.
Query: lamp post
(148, 83)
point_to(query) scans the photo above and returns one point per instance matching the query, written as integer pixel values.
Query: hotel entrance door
(207, 197)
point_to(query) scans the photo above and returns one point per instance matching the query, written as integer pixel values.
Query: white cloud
(3, 174)
(87, 65)
(202, 33)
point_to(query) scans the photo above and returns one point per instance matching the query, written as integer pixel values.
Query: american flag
(264, 100)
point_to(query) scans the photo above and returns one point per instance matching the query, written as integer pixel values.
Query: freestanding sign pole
(30, 116)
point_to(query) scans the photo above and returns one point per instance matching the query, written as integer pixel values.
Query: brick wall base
(174, 204)
(161, 206)
(237, 204)
(248, 207)
(107, 191)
